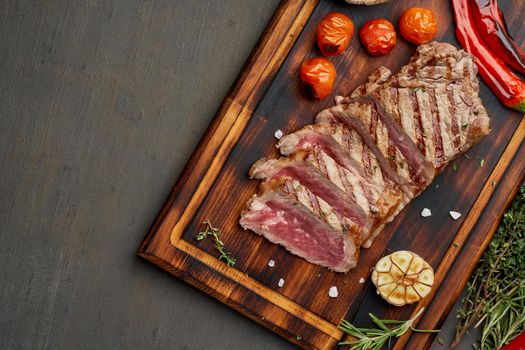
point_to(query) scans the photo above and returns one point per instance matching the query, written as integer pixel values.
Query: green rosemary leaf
(367, 338)
(495, 296)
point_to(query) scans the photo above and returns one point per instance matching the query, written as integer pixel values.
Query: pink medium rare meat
(283, 220)
(377, 199)
(315, 191)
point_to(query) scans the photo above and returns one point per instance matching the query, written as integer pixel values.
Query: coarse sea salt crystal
(361, 280)
(426, 213)
(333, 293)
(271, 263)
(281, 282)
(455, 215)
(278, 134)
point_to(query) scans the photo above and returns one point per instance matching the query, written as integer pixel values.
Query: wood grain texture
(215, 186)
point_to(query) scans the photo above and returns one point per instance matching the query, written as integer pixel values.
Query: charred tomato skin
(378, 36)
(418, 25)
(334, 33)
(317, 77)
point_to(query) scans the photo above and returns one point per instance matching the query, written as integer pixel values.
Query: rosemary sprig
(377, 338)
(219, 245)
(496, 291)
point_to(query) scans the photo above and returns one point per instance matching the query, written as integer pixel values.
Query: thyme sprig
(219, 245)
(377, 338)
(496, 292)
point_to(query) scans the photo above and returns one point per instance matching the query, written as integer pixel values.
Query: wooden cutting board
(267, 97)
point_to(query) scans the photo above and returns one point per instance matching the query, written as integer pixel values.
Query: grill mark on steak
(464, 95)
(313, 181)
(288, 188)
(358, 111)
(318, 159)
(347, 187)
(452, 110)
(335, 174)
(438, 140)
(373, 124)
(346, 139)
(367, 162)
(394, 92)
(418, 125)
(392, 154)
(315, 203)
(466, 71)
(338, 114)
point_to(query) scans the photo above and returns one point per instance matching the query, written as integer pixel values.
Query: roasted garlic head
(403, 278)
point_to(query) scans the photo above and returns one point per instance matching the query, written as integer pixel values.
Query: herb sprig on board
(214, 233)
(496, 292)
(377, 338)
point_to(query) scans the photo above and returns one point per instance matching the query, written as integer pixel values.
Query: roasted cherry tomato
(318, 76)
(418, 25)
(378, 36)
(334, 33)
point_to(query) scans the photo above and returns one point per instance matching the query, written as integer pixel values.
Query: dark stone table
(101, 105)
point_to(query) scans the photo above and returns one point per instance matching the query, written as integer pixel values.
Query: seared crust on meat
(375, 80)
(435, 99)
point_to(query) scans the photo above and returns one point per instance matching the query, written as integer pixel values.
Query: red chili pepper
(517, 344)
(491, 26)
(507, 86)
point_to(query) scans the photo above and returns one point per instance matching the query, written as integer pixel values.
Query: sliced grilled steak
(348, 175)
(310, 187)
(351, 141)
(435, 100)
(283, 220)
(364, 119)
(371, 194)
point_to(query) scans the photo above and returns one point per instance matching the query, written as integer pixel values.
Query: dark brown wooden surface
(101, 105)
(215, 187)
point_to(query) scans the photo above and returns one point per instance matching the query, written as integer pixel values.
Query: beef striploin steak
(341, 180)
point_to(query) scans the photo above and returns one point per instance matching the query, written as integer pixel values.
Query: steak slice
(326, 154)
(411, 173)
(351, 141)
(307, 184)
(375, 80)
(283, 220)
(435, 100)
